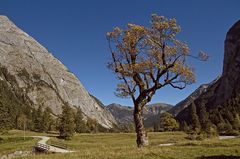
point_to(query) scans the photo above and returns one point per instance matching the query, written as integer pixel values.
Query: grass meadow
(122, 146)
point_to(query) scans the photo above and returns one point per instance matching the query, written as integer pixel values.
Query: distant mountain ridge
(157, 108)
(124, 114)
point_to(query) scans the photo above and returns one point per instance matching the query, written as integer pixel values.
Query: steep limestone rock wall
(228, 85)
(43, 78)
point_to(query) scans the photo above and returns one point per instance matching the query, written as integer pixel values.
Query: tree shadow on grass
(219, 157)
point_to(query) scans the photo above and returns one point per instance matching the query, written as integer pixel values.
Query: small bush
(212, 132)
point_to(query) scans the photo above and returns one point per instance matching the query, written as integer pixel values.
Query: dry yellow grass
(122, 146)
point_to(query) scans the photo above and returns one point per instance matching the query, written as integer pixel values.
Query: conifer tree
(27, 111)
(228, 128)
(228, 114)
(184, 127)
(236, 122)
(92, 125)
(195, 124)
(47, 119)
(38, 125)
(66, 124)
(33, 119)
(30, 122)
(221, 120)
(80, 125)
(203, 116)
(5, 119)
(22, 122)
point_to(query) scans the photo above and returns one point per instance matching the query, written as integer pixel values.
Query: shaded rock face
(193, 96)
(228, 85)
(43, 78)
(230, 82)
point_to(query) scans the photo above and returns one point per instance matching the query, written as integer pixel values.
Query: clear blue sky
(74, 31)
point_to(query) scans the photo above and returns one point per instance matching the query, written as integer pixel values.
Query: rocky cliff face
(42, 78)
(228, 85)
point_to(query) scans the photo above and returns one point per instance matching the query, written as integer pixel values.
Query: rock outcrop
(42, 78)
(228, 85)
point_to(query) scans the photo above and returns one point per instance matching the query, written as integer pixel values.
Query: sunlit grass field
(122, 146)
(14, 141)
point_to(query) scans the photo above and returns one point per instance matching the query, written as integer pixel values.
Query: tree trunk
(142, 138)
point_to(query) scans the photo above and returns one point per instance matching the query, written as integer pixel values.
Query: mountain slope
(227, 87)
(196, 94)
(42, 79)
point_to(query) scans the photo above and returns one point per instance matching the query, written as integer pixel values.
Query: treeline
(73, 120)
(223, 119)
(18, 112)
(201, 122)
(43, 120)
(227, 116)
(27, 118)
(14, 104)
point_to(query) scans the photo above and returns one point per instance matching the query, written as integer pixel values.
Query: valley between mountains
(41, 98)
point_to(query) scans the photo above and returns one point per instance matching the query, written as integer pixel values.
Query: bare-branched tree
(145, 60)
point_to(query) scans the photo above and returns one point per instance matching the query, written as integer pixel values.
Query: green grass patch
(14, 140)
(123, 146)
